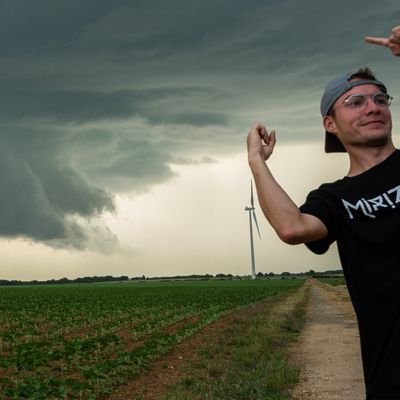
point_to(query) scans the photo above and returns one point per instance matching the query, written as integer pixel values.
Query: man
(361, 212)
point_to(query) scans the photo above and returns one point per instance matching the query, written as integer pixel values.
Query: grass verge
(339, 281)
(249, 358)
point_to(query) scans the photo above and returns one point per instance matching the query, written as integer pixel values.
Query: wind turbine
(252, 213)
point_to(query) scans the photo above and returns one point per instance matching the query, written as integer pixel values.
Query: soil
(154, 383)
(328, 351)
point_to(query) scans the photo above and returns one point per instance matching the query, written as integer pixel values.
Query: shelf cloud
(100, 98)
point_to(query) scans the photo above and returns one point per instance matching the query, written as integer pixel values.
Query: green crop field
(82, 341)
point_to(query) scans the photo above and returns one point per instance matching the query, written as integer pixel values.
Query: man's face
(368, 126)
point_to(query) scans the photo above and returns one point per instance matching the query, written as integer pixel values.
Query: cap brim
(333, 144)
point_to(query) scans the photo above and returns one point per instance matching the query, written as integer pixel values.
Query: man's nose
(371, 106)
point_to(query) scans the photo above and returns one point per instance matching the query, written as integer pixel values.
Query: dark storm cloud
(102, 97)
(41, 194)
(34, 28)
(119, 162)
(157, 105)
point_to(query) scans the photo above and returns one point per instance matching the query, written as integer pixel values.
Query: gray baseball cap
(336, 88)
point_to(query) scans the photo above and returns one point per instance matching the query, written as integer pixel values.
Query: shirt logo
(370, 207)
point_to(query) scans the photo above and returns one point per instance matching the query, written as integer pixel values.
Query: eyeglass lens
(360, 100)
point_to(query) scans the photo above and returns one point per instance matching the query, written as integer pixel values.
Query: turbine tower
(252, 213)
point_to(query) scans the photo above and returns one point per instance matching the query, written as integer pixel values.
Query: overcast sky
(123, 127)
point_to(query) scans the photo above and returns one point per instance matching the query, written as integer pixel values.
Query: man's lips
(373, 123)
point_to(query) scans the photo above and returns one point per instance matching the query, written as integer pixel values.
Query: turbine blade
(251, 195)
(255, 220)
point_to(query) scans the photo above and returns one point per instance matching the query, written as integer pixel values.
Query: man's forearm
(290, 224)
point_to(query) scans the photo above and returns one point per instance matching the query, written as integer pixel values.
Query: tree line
(124, 278)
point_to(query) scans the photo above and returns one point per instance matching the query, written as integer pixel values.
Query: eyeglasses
(359, 101)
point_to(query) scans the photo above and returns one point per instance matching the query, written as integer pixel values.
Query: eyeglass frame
(346, 104)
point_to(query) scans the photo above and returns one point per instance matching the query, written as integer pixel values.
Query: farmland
(83, 341)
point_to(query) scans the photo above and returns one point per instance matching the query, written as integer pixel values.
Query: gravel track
(328, 351)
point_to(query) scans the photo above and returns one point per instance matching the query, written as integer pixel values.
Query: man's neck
(363, 159)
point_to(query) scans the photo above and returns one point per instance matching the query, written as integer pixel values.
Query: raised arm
(392, 42)
(290, 224)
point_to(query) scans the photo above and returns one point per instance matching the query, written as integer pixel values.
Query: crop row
(82, 341)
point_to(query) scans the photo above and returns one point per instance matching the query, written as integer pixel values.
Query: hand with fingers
(392, 42)
(260, 142)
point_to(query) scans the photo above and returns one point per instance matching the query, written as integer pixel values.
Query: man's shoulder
(331, 187)
(370, 183)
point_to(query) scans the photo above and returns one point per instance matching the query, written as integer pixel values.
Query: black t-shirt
(362, 214)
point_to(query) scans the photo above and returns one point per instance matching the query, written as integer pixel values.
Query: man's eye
(355, 101)
(381, 100)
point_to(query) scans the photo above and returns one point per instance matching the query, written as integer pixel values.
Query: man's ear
(330, 124)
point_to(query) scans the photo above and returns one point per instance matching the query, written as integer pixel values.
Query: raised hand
(392, 42)
(260, 142)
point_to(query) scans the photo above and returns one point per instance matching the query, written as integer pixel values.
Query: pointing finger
(377, 41)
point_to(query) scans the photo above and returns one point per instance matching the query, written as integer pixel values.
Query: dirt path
(328, 350)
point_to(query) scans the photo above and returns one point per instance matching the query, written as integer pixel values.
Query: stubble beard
(378, 141)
